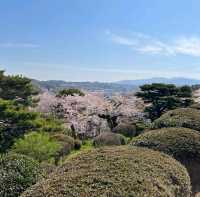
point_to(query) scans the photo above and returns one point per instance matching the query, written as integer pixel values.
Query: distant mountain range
(109, 88)
(120, 86)
(179, 81)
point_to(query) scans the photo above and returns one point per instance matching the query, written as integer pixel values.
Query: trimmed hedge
(183, 117)
(67, 145)
(109, 139)
(128, 130)
(17, 173)
(65, 141)
(181, 143)
(116, 171)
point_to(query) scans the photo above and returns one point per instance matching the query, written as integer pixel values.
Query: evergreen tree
(15, 121)
(17, 88)
(163, 97)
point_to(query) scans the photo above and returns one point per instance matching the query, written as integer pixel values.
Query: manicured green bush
(17, 173)
(116, 171)
(66, 143)
(109, 139)
(183, 117)
(38, 146)
(181, 143)
(128, 130)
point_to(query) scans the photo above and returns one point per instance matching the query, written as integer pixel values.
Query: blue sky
(100, 40)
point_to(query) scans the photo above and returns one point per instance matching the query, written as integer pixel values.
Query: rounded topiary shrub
(109, 139)
(116, 171)
(131, 130)
(65, 141)
(181, 143)
(128, 130)
(17, 173)
(183, 117)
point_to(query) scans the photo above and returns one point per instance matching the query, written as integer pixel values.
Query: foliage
(109, 139)
(195, 87)
(47, 168)
(17, 88)
(14, 123)
(70, 92)
(183, 117)
(181, 143)
(77, 144)
(17, 173)
(116, 171)
(195, 106)
(92, 113)
(164, 97)
(49, 124)
(87, 145)
(38, 146)
(130, 130)
(66, 145)
(142, 126)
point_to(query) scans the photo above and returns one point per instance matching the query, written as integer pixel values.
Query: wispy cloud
(121, 39)
(188, 46)
(18, 45)
(148, 45)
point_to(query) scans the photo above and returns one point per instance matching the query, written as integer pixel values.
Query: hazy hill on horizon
(179, 81)
(109, 88)
(123, 86)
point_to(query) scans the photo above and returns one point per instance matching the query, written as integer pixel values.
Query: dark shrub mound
(67, 145)
(181, 143)
(128, 130)
(109, 139)
(195, 106)
(77, 144)
(117, 171)
(183, 117)
(66, 142)
(17, 173)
